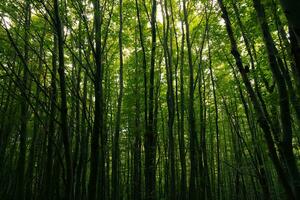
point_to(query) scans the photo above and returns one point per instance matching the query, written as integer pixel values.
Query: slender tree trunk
(20, 187)
(217, 126)
(144, 62)
(116, 150)
(63, 108)
(191, 115)
(137, 164)
(51, 131)
(181, 131)
(36, 128)
(98, 115)
(170, 99)
(150, 137)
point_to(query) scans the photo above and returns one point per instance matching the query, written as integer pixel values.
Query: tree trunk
(275, 62)
(63, 106)
(116, 150)
(150, 136)
(261, 116)
(98, 113)
(20, 187)
(191, 116)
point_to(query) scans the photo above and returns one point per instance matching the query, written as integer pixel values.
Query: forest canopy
(149, 99)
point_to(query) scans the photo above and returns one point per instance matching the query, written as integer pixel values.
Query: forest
(149, 99)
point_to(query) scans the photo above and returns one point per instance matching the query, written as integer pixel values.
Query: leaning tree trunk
(286, 147)
(20, 187)
(261, 115)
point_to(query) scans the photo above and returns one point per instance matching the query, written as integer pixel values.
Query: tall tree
(284, 105)
(20, 187)
(116, 150)
(98, 113)
(63, 101)
(177, 101)
(191, 115)
(150, 135)
(261, 115)
(167, 36)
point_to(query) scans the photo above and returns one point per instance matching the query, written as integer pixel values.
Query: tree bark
(116, 150)
(20, 187)
(150, 136)
(191, 116)
(261, 116)
(63, 106)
